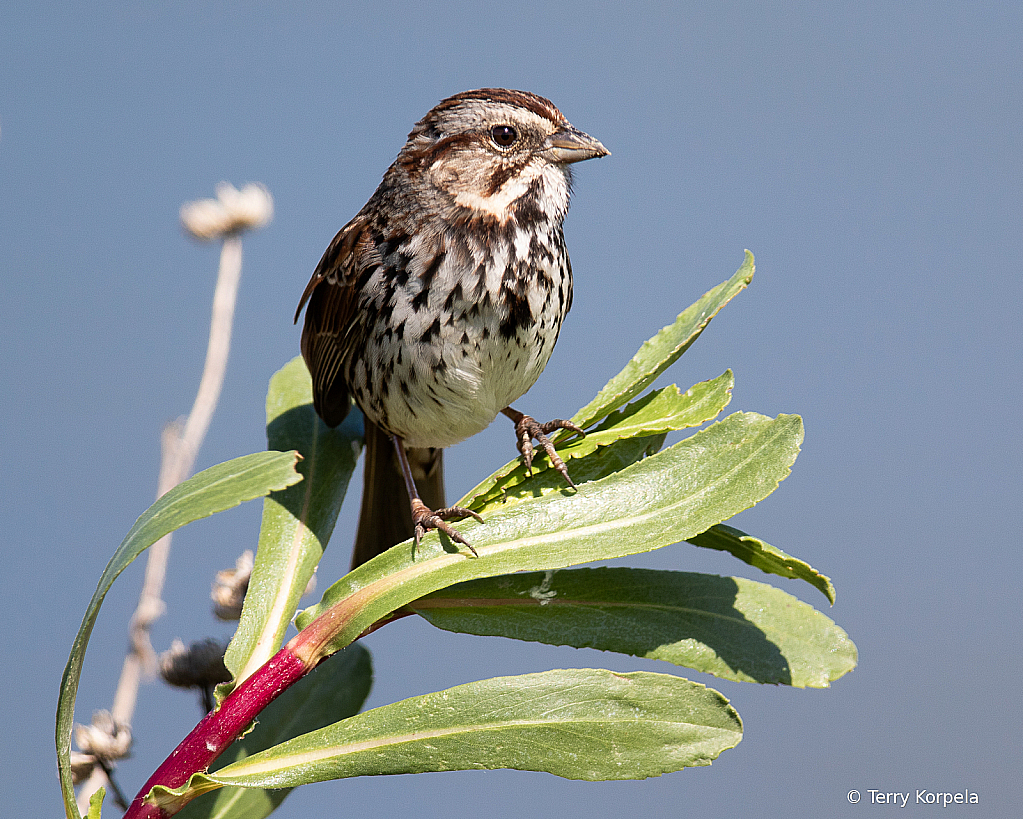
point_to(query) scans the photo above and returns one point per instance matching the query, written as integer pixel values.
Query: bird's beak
(572, 145)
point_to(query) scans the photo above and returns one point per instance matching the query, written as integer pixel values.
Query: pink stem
(218, 729)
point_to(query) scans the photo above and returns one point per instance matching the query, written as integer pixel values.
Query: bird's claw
(425, 519)
(528, 428)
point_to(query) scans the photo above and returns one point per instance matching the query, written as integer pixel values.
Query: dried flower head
(82, 766)
(231, 212)
(104, 737)
(200, 665)
(229, 588)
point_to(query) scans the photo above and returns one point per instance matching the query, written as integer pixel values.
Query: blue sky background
(868, 153)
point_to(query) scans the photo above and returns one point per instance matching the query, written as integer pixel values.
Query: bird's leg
(527, 428)
(422, 516)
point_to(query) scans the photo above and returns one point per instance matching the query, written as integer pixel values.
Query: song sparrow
(439, 304)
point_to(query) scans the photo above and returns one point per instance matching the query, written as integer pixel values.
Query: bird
(439, 304)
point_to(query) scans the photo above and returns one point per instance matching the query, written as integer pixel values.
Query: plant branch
(180, 445)
(216, 731)
(219, 728)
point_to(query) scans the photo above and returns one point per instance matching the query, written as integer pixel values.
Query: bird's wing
(329, 319)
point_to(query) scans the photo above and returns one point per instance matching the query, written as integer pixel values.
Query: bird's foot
(425, 519)
(528, 428)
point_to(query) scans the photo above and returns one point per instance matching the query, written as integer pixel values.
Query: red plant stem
(219, 728)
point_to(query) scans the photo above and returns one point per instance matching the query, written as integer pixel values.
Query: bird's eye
(503, 135)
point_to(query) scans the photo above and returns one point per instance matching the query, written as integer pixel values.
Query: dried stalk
(226, 217)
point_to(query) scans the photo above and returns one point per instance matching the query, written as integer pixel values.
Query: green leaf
(652, 359)
(576, 723)
(662, 410)
(297, 522)
(769, 559)
(218, 488)
(731, 627)
(664, 349)
(96, 803)
(663, 499)
(335, 690)
(654, 414)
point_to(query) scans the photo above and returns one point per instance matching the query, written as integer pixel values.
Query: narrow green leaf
(335, 690)
(663, 410)
(297, 522)
(96, 804)
(654, 414)
(664, 349)
(731, 627)
(663, 499)
(763, 556)
(218, 488)
(576, 723)
(652, 359)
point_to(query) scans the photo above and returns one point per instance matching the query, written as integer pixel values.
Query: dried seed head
(231, 212)
(103, 738)
(200, 665)
(229, 588)
(81, 766)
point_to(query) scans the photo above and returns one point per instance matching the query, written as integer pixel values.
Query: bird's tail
(386, 517)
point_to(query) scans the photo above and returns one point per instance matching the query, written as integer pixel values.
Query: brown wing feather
(331, 298)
